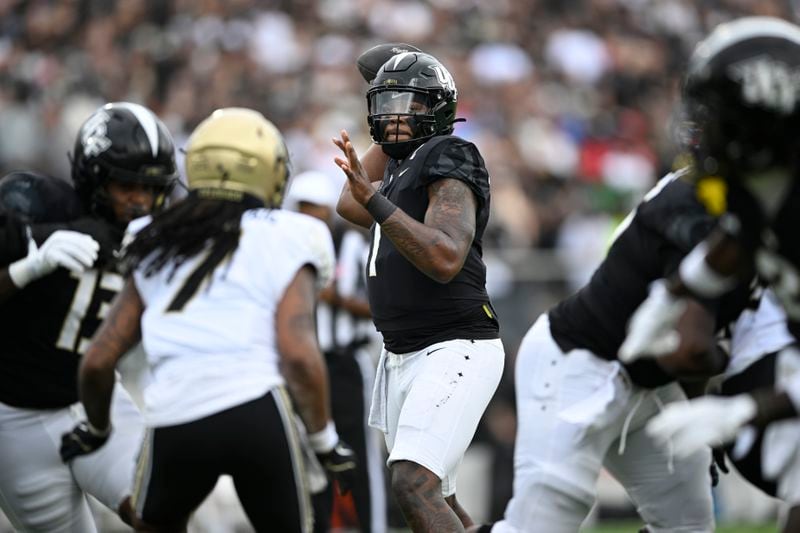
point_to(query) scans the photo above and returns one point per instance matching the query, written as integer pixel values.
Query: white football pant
(576, 412)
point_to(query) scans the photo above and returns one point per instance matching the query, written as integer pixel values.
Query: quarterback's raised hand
(81, 440)
(708, 421)
(651, 330)
(69, 249)
(361, 187)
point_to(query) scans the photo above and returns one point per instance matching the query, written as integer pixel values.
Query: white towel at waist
(378, 417)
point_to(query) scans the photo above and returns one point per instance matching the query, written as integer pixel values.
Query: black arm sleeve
(13, 239)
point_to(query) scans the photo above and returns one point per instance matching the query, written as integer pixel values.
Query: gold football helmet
(236, 151)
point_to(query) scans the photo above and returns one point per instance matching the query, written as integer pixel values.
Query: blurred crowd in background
(573, 103)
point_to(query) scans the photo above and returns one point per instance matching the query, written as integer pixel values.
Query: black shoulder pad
(36, 198)
(452, 157)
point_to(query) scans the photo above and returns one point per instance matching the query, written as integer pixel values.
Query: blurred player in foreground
(743, 94)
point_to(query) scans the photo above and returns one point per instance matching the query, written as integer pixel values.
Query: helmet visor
(398, 116)
(398, 103)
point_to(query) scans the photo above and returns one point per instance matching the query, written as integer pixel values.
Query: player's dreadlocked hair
(196, 225)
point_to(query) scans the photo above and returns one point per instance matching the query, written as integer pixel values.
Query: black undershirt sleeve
(13, 239)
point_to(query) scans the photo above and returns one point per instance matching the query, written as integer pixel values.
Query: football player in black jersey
(743, 88)
(442, 357)
(57, 288)
(579, 409)
(742, 92)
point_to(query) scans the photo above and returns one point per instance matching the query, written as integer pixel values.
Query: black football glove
(80, 441)
(341, 464)
(371, 61)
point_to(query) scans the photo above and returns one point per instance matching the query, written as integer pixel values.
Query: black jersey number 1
(372, 270)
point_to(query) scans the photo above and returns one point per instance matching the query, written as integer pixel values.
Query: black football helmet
(38, 198)
(125, 142)
(417, 88)
(742, 98)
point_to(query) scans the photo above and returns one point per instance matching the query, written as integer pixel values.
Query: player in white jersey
(222, 294)
(764, 357)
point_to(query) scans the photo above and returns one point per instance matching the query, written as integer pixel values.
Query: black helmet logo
(93, 135)
(445, 78)
(767, 82)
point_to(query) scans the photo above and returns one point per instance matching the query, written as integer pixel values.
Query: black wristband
(380, 207)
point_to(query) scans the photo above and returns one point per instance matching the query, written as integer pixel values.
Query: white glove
(707, 421)
(651, 330)
(69, 249)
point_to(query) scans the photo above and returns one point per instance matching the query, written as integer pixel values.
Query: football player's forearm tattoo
(423, 506)
(119, 332)
(439, 246)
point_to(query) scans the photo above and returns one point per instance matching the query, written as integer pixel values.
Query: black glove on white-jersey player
(82, 440)
(338, 459)
(341, 464)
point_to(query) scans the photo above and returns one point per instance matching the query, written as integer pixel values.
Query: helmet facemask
(158, 179)
(400, 120)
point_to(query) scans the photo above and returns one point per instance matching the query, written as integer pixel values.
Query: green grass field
(633, 527)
